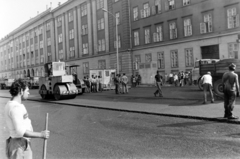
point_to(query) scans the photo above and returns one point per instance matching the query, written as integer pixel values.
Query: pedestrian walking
(124, 83)
(181, 82)
(158, 79)
(230, 90)
(206, 81)
(175, 78)
(19, 125)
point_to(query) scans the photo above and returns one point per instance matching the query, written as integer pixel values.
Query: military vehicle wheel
(218, 87)
(43, 88)
(200, 84)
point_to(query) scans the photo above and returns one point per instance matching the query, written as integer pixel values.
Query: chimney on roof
(46, 7)
(50, 5)
(37, 12)
(59, 3)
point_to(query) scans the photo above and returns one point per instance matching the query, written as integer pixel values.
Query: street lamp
(116, 36)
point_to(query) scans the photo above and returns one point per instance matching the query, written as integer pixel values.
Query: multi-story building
(77, 32)
(170, 35)
(165, 35)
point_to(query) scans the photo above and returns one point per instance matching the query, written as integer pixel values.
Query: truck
(217, 70)
(107, 77)
(56, 82)
(5, 83)
(196, 73)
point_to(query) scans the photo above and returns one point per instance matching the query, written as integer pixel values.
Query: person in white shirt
(175, 78)
(19, 125)
(206, 81)
(100, 85)
(124, 83)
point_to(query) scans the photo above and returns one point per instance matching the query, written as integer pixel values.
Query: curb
(221, 120)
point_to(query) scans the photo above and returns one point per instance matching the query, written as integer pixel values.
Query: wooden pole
(45, 140)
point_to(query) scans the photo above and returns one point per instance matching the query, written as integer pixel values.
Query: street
(78, 132)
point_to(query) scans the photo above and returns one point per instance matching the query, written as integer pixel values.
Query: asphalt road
(93, 133)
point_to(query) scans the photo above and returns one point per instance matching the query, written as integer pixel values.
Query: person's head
(209, 73)
(124, 74)
(158, 72)
(19, 88)
(232, 67)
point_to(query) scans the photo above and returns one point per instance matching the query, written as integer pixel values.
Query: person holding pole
(19, 125)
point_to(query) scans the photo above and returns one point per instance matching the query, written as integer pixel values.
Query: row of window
(205, 27)
(156, 8)
(233, 49)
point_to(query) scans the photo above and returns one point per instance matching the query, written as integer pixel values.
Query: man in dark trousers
(117, 82)
(158, 79)
(230, 90)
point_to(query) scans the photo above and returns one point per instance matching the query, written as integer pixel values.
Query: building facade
(170, 35)
(164, 35)
(77, 32)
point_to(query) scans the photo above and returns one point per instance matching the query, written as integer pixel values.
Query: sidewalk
(187, 103)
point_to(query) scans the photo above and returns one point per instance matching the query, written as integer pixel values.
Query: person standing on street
(19, 125)
(124, 83)
(175, 78)
(100, 83)
(139, 78)
(133, 81)
(206, 81)
(230, 90)
(116, 82)
(158, 79)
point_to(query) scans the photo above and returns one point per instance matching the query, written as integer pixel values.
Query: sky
(13, 13)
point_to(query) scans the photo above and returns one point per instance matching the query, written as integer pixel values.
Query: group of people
(93, 84)
(136, 80)
(181, 78)
(121, 83)
(230, 90)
